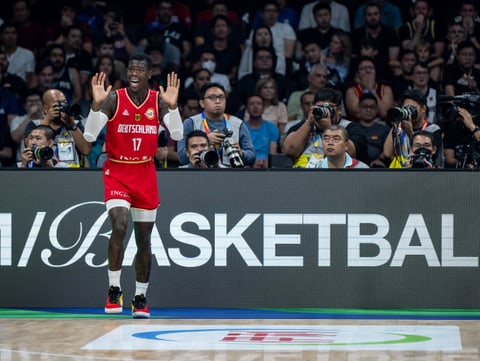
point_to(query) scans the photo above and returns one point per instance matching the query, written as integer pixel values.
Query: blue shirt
(262, 137)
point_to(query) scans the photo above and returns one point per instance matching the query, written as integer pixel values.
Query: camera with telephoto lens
(468, 155)
(209, 157)
(447, 106)
(71, 110)
(322, 111)
(42, 153)
(397, 114)
(420, 156)
(233, 155)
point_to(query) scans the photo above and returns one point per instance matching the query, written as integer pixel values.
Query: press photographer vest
(231, 121)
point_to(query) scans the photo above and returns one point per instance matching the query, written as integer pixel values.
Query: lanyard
(205, 122)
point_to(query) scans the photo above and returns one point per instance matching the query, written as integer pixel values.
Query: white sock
(141, 288)
(114, 278)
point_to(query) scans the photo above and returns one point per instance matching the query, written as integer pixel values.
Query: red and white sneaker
(140, 307)
(114, 302)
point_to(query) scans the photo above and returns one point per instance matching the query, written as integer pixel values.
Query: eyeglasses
(422, 145)
(214, 97)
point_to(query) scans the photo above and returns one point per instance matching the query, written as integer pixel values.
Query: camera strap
(205, 122)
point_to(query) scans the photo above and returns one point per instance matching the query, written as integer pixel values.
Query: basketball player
(132, 116)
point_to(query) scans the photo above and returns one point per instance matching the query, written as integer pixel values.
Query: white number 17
(136, 144)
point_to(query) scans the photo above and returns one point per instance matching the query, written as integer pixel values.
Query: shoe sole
(140, 314)
(114, 310)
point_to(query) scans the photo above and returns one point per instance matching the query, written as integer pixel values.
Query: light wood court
(310, 339)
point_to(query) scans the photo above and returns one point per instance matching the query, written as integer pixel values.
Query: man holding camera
(422, 151)
(462, 137)
(38, 152)
(69, 146)
(199, 152)
(228, 134)
(407, 119)
(303, 142)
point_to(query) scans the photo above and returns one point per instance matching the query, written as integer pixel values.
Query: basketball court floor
(240, 335)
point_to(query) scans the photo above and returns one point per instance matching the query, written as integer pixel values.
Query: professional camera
(42, 152)
(228, 132)
(208, 157)
(420, 156)
(72, 110)
(398, 114)
(322, 111)
(233, 155)
(468, 155)
(447, 106)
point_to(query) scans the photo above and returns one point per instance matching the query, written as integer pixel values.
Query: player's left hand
(170, 95)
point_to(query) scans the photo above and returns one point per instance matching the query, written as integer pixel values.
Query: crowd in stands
(387, 72)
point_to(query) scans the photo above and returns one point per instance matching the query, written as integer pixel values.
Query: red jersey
(132, 132)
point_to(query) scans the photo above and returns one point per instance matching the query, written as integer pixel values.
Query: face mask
(209, 65)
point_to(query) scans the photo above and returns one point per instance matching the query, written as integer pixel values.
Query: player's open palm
(170, 95)
(99, 92)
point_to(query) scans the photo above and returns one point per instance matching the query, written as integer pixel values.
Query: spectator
(21, 60)
(261, 37)
(174, 32)
(283, 35)
(31, 34)
(200, 78)
(401, 78)
(366, 82)
(44, 76)
(312, 55)
(423, 25)
(227, 53)
(65, 78)
(263, 66)
(323, 30)
(8, 80)
(104, 46)
(337, 58)
(202, 31)
(76, 56)
(274, 110)
(340, 15)
(208, 61)
(462, 76)
(375, 130)
(264, 134)
(391, 16)
(158, 77)
(435, 65)
(287, 15)
(421, 82)
(383, 38)
(317, 79)
(67, 16)
(455, 35)
(470, 21)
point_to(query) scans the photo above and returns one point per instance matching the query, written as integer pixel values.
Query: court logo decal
(279, 337)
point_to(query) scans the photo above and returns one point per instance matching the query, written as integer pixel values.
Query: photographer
(228, 134)
(303, 142)
(422, 150)
(461, 135)
(69, 145)
(38, 152)
(407, 119)
(200, 152)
